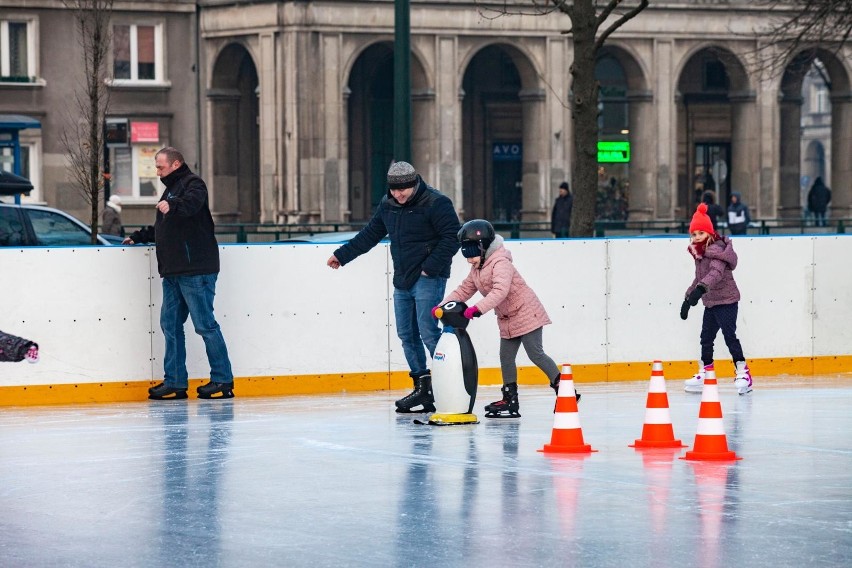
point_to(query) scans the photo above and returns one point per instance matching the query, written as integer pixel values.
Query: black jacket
(560, 219)
(186, 243)
(819, 196)
(423, 235)
(738, 217)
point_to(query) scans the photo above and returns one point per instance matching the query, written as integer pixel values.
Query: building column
(449, 119)
(333, 205)
(269, 166)
(558, 117)
(744, 153)
(790, 120)
(667, 143)
(535, 197)
(642, 167)
(841, 151)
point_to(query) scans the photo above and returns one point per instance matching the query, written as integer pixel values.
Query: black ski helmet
(476, 232)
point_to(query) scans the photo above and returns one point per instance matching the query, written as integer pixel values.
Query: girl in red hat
(715, 261)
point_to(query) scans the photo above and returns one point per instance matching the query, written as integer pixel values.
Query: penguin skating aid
(455, 372)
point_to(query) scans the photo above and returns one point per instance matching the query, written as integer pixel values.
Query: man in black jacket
(422, 225)
(188, 262)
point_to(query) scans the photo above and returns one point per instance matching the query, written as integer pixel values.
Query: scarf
(697, 249)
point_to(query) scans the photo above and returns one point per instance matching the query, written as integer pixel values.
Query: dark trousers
(722, 317)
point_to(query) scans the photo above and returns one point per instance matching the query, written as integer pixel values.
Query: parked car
(34, 225)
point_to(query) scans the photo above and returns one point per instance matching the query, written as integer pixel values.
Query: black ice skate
(216, 390)
(508, 406)
(162, 392)
(554, 384)
(421, 396)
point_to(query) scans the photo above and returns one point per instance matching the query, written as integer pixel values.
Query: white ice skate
(696, 383)
(743, 380)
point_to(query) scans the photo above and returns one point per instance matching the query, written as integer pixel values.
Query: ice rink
(344, 481)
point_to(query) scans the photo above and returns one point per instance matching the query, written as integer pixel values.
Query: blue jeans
(415, 325)
(191, 296)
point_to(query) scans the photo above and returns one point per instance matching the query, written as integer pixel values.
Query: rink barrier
(294, 326)
(398, 381)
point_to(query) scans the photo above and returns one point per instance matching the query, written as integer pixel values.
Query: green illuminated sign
(613, 152)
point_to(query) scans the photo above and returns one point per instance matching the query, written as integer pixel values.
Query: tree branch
(624, 18)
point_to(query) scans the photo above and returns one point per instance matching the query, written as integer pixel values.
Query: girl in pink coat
(520, 314)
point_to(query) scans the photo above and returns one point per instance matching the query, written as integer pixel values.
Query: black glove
(684, 310)
(695, 295)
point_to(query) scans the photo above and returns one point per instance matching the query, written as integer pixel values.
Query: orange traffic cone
(567, 437)
(710, 440)
(657, 431)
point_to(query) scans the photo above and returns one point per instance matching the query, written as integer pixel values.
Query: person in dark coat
(738, 215)
(714, 210)
(818, 199)
(422, 226)
(188, 262)
(560, 219)
(111, 217)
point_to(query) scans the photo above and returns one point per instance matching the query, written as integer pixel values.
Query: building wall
(172, 103)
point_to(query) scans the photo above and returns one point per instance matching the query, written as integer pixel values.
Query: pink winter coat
(518, 309)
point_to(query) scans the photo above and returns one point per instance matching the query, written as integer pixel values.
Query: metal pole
(16, 160)
(402, 81)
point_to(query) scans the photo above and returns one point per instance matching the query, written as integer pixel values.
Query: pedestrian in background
(818, 199)
(714, 210)
(111, 217)
(560, 219)
(738, 215)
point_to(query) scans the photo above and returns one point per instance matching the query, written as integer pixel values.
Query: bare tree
(796, 29)
(83, 135)
(592, 22)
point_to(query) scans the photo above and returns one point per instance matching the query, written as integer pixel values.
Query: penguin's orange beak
(439, 313)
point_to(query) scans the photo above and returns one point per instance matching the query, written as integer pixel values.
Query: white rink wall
(95, 311)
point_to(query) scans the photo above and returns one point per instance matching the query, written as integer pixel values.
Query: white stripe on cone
(657, 416)
(710, 427)
(566, 421)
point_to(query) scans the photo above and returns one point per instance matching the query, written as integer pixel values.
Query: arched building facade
(298, 111)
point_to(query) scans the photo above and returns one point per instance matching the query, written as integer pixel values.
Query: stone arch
(503, 175)
(626, 116)
(836, 143)
(234, 109)
(369, 90)
(717, 121)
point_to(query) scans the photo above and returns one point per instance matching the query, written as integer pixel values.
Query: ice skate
(216, 390)
(162, 392)
(696, 383)
(508, 406)
(554, 384)
(743, 380)
(420, 400)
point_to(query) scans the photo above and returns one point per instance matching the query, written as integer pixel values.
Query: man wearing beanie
(422, 226)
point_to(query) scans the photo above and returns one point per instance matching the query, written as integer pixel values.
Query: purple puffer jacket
(518, 309)
(715, 272)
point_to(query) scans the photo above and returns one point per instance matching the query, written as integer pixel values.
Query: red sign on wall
(144, 132)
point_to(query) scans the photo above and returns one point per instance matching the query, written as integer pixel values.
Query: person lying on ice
(14, 349)
(520, 314)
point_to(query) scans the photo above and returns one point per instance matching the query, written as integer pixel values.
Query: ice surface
(344, 481)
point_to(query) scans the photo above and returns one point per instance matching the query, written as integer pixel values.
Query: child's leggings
(722, 317)
(532, 345)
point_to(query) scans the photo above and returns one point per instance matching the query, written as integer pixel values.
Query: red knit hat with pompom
(701, 221)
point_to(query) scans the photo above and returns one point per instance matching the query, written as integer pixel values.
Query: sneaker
(696, 383)
(32, 354)
(743, 380)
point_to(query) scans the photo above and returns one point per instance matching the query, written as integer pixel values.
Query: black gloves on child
(691, 300)
(696, 294)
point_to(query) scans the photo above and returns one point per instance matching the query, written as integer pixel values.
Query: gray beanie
(401, 175)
